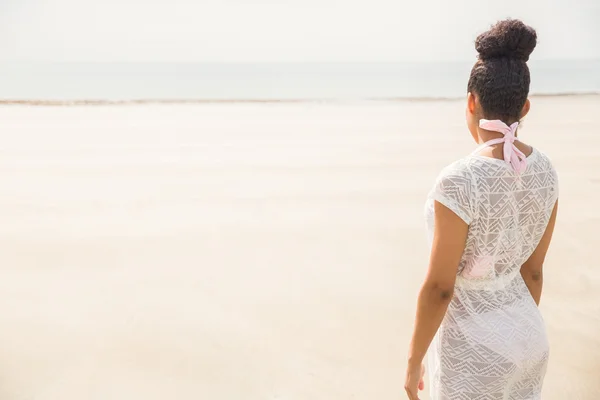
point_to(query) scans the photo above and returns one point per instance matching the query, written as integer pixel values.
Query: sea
(205, 82)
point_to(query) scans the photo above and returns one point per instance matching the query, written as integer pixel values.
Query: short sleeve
(454, 188)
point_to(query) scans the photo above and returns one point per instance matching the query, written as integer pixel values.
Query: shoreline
(126, 102)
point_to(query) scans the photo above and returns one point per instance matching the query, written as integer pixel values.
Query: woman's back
(507, 213)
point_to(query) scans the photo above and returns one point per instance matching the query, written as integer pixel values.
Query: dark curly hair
(500, 77)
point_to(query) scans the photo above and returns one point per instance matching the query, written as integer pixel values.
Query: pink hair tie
(512, 155)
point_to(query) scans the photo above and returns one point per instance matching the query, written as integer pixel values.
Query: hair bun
(510, 38)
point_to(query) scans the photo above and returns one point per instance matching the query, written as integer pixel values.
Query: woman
(491, 217)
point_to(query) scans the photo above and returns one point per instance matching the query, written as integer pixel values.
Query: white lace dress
(492, 342)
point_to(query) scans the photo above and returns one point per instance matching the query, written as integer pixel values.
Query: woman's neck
(495, 151)
(485, 136)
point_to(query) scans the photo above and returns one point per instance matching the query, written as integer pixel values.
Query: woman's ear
(526, 108)
(471, 102)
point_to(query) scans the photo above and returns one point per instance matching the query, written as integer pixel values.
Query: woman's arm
(449, 240)
(531, 270)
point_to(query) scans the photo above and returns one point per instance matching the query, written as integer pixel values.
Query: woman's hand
(414, 381)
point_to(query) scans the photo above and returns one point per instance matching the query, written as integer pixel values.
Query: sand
(255, 251)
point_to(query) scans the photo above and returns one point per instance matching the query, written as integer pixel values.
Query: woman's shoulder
(544, 159)
(455, 189)
(457, 176)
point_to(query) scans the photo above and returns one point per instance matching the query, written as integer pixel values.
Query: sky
(283, 30)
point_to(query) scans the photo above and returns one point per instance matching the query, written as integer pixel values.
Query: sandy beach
(255, 251)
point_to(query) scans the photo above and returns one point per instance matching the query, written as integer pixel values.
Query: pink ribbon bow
(512, 155)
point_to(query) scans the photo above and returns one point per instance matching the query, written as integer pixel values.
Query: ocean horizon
(122, 83)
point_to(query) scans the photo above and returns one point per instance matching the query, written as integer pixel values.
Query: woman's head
(499, 82)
